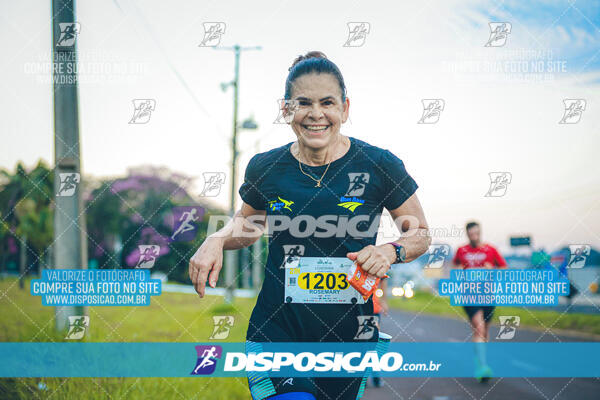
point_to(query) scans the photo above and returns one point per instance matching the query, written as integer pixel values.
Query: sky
(502, 104)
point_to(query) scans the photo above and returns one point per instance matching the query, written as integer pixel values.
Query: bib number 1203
(322, 281)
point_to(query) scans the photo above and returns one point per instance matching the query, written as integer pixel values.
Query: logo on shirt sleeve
(356, 187)
(275, 205)
(350, 203)
(358, 183)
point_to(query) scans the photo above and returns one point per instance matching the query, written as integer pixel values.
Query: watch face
(400, 254)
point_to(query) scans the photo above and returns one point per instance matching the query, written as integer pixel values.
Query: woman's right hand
(207, 259)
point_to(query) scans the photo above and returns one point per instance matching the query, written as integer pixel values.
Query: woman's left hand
(375, 260)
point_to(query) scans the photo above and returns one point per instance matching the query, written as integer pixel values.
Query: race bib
(320, 280)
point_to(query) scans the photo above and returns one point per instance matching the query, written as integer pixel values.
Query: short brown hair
(471, 224)
(313, 61)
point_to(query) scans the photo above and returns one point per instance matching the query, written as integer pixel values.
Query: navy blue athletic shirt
(360, 183)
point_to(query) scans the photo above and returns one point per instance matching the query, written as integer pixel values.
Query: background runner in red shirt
(479, 255)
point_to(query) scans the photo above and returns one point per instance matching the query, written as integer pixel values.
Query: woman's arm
(410, 220)
(243, 229)
(246, 226)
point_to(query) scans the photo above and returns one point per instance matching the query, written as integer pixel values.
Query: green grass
(171, 317)
(180, 317)
(429, 303)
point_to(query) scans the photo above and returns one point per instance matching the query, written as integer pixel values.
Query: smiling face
(320, 113)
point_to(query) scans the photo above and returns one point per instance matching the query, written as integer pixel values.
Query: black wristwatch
(400, 253)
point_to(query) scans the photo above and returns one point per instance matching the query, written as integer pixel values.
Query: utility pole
(231, 255)
(69, 224)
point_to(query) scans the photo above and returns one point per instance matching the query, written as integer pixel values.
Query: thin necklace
(310, 176)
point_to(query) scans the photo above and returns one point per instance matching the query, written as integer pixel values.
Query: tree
(26, 201)
(137, 210)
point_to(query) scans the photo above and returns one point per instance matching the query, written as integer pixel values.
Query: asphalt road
(409, 327)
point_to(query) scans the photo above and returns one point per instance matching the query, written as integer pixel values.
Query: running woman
(479, 255)
(347, 182)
